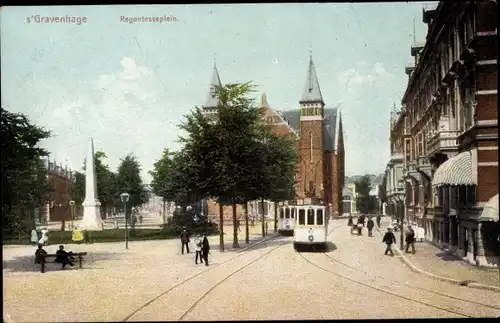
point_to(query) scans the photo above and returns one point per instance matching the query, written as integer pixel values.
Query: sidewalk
(430, 259)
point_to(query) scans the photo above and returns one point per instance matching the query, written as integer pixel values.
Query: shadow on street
(27, 263)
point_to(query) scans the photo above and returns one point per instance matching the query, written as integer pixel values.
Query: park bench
(78, 255)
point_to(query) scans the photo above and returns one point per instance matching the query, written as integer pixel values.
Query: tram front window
(310, 217)
(302, 217)
(287, 213)
(319, 217)
(281, 213)
(293, 213)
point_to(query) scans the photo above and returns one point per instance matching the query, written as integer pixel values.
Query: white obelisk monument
(92, 220)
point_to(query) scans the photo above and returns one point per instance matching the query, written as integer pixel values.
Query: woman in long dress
(34, 237)
(45, 237)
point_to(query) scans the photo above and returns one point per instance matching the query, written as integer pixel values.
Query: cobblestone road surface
(271, 281)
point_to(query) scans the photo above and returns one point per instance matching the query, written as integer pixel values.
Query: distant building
(319, 136)
(60, 181)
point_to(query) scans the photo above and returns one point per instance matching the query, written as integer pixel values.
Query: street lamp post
(72, 205)
(124, 198)
(399, 198)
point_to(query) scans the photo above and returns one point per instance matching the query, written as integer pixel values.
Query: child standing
(198, 242)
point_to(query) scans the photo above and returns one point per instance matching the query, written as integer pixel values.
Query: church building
(319, 136)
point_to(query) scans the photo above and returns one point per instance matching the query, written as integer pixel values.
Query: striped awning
(490, 210)
(455, 171)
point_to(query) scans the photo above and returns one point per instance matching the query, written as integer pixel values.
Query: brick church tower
(311, 142)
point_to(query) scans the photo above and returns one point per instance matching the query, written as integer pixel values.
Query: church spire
(312, 92)
(212, 99)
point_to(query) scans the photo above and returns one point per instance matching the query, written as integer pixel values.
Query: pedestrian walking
(410, 240)
(238, 225)
(185, 240)
(267, 225)
(370, 226)
(253, 221)
(205, 249)
(140, 219)
(350, 222)
(389, 239)
(378, 220)
(199, 244)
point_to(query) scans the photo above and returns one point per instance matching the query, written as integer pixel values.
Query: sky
(128, 85)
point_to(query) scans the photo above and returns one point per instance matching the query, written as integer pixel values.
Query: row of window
(311, 218)
(311, 111)
(456, 35)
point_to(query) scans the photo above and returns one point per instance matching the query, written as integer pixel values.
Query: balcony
(409, 69)
(424, 166)
(442, 142)
(416, 48)
(396, 158)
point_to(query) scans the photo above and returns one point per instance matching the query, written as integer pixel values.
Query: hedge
(113, 235)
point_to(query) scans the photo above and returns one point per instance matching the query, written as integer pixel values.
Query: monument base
(92, 220)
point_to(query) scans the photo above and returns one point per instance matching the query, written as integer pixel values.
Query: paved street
(438, 262)
(353, 280)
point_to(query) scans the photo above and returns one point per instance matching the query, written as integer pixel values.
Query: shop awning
(490, 210)
(455, 171)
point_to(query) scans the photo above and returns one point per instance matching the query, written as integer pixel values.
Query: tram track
(204, 272)
(373, 287)
(410, 286)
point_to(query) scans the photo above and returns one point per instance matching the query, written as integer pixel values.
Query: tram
(311, 226)
(286, 221)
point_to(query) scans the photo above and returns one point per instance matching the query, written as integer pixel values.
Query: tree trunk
(164, 209)
(275, 216)
(263, 217)
(236, 243)
(221, 227)
(247, 231)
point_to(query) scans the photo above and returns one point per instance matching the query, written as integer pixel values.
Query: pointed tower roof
(312, 92)
(212, 100)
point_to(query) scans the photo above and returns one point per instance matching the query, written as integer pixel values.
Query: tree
(78, 188)
(24, 185)
(129, 180)
(160, 174)
(283, 164)
(364, 202)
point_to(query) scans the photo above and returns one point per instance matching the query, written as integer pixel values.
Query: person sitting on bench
(64, 257)
(39, 254)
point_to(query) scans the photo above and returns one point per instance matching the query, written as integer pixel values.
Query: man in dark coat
(389, 239)
(205, 249)
(185, 240)
(350, 222)
(39, 256)
(370, 226)
(378, 220)
(410, 240)
(64, 257)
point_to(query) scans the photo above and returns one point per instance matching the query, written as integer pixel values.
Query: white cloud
(113, 110)
(353, 78)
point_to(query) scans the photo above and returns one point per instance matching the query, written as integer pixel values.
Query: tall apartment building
(450, 137)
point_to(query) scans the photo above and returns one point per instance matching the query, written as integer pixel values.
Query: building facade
(450, 137)
(60, 180)
(319, 136)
